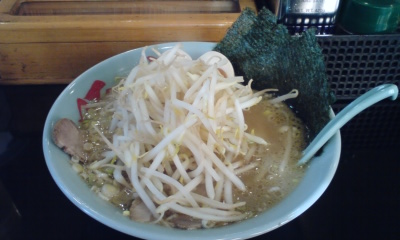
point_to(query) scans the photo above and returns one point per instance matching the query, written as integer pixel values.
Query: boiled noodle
(175, 138)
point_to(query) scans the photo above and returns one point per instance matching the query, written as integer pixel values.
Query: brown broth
(269, 121)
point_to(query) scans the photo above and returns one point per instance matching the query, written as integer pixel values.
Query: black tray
(356, 64)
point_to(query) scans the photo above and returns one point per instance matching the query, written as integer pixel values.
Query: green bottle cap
(370, 16)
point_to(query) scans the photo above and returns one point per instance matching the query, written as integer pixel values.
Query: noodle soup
(318, 173)
(183, 143)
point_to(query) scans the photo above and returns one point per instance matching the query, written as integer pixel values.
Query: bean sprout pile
(179, 139)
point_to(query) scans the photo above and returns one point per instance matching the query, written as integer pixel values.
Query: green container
(370, 16)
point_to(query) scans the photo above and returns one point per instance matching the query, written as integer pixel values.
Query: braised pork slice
(67, 136)
(139, 212)
(185, 222)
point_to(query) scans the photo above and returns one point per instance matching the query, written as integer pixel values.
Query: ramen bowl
(318, 175)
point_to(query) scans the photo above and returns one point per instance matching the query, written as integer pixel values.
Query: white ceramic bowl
(316, 180)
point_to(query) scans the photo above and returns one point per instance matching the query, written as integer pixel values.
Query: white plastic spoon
(367, 99)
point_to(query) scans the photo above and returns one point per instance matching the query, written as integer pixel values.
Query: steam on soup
(184, 143)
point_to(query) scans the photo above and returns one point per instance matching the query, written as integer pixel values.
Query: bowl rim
(246, 229)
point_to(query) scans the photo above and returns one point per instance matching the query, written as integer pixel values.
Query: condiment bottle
(299, 15)
(369, 16)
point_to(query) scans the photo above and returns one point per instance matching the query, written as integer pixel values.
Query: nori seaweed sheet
(262, 50)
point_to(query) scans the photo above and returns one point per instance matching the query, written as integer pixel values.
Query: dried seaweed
(262, 50)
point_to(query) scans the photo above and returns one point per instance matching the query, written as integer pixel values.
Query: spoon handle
(367, 99)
